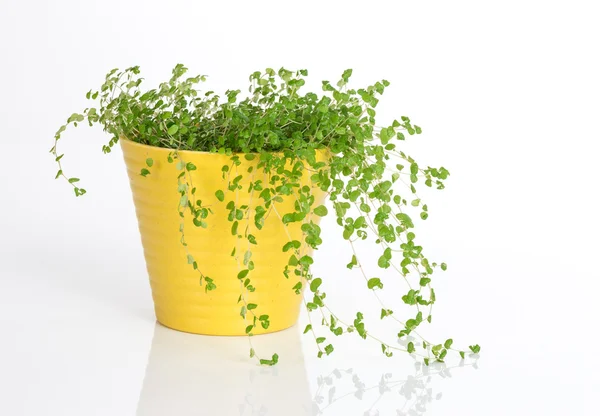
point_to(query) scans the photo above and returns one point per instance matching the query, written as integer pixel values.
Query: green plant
(283, 128)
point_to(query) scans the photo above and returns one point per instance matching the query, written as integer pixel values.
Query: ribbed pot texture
(180, 301)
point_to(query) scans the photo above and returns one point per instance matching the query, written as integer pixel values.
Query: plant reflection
(414, 390)
(205, 375)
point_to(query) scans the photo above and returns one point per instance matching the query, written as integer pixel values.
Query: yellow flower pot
(180, 301)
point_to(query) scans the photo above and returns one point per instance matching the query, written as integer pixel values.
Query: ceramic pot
(180, 301)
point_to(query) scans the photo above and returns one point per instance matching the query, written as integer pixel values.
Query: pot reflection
(207, 375)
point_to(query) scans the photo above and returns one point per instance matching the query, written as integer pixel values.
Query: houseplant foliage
(372, 185)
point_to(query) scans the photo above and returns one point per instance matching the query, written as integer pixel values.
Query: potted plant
(229, 193)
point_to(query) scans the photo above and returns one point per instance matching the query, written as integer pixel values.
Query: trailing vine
(296, 144)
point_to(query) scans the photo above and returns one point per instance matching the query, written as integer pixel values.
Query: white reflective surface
(67, 351)
(188, 374)
(507, 95)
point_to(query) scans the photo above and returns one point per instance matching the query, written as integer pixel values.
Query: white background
(508, 96)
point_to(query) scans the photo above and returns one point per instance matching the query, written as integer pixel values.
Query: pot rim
(202, 152)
